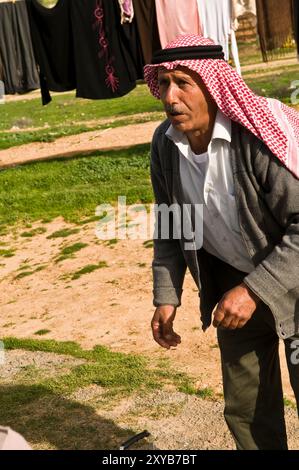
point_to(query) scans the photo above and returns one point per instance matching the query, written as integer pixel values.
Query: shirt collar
(222, 127)
(221, 130)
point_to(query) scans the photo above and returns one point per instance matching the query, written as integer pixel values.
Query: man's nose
(170, 96)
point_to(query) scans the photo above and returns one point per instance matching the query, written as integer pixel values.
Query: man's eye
(183, 83)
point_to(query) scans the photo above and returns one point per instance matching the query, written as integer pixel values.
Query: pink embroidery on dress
(111, 81)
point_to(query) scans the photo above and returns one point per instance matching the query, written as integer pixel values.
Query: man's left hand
(235, 308)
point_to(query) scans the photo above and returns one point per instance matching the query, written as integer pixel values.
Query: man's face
(186, 100)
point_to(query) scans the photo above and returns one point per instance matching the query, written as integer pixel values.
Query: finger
(226, 322)
(233, 324)
(165, 340)
(242, 323)
(169, 335)
(158, 337)
(218, 317)
(177, 337)
(171, 340)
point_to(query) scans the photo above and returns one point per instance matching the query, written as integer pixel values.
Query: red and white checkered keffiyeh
(276, 124)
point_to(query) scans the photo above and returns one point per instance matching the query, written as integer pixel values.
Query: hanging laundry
(1, 75)
(53, 45)
(215, 17)
(275, 26)
(296, 22)
(241, 8)
(216, 23)
(18, 69)
(104, 50)
(83, 45)
(176, 18)
(126, 10)
(146, 20)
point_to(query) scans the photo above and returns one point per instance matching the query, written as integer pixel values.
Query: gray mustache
(172, 109)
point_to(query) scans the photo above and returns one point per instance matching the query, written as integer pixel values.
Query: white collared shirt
(207, 179)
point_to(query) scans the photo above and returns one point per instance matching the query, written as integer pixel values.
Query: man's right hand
(162, 326)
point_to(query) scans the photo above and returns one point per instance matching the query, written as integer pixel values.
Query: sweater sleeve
(168, 265)
(278, 273)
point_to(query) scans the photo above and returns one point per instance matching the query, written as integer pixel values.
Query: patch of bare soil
(85, 143)
(46, 365)
(23, 124)
(179, 421)
(111, 306)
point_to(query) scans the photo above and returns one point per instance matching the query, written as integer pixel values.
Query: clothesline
(99, 47)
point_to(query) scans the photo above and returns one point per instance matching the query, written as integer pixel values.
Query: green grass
(205, 393)
(111, 242)
(250, 52)
(68, 251)
(63, 233)
(67, 115)
(67, 108)
(42, 332)
(43, 410)
(14, 138)
(24, 266)
(73, 188)
(50, 134)
(276, 85)
(7, 253)
(148, 244)
(292, 69)
(32, 233)
(29, 273)
(126, 372)
(23, 274)
(89, 220)
(89, 269)
(188, 388)
(104, 367)
(289, 403)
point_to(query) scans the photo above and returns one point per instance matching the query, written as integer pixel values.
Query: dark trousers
(254, 407)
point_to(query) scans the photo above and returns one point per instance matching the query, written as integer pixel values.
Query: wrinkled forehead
(179, 72)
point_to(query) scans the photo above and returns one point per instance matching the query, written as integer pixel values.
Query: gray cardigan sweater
(267, 198)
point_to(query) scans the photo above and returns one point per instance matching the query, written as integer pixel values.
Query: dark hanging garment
(1, 71)
(18, 69)
(275, 28)
(81, 44)
(132, 41)
(146, 20)
(53, 45)
(296, 22)
(105, 66)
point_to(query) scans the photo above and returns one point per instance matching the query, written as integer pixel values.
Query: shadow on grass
(53, 421)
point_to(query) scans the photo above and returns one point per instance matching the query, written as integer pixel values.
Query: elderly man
(235, 155)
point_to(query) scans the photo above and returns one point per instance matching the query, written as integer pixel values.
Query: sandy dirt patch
(85, 143)
(111, 306)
